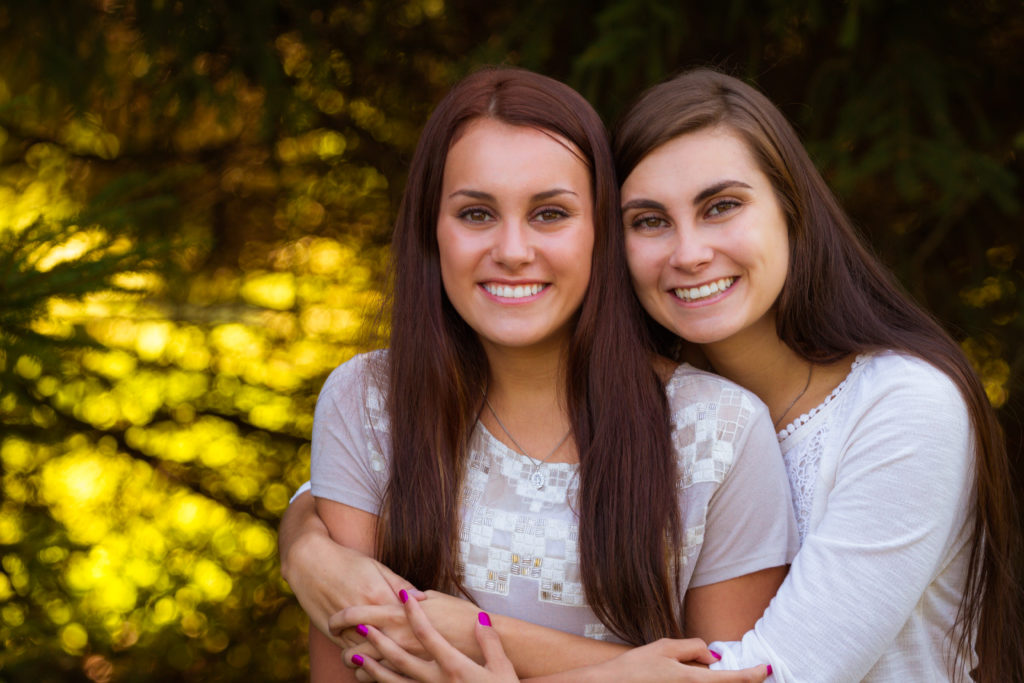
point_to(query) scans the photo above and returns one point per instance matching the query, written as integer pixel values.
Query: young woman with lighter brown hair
(747, 265)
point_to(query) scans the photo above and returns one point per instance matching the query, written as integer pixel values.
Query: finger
(362, 614)
(756, 674)
(495, 659)
(685, 650)
(433, 642)
(364, 649)
(376, 670)
(351, 637)
(397, 657)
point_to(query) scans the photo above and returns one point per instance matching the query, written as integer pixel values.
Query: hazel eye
(722, 206)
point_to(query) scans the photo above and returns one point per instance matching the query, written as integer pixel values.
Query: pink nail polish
(357, 660)
(484, 619)
(403, 596)
(769, 669)
(362, 629)
(715, 654)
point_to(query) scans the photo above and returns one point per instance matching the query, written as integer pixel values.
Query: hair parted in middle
(437, 374)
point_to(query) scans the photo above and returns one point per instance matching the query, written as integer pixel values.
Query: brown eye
(648, 222)
(550, 215)
(475, 215)
(722, 206)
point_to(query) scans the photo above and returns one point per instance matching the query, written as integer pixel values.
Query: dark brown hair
(839, 299)
(627, 504)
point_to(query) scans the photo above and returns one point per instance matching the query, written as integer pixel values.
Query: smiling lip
(709, 291)
(519, 293)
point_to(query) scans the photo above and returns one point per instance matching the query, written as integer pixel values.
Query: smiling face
(515, 231)
(706, 240)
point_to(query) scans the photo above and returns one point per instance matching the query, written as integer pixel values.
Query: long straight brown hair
(437, 373)
(839, 299)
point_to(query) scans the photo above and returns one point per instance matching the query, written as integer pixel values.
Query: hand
(327, 577)
(452, 617)
(671, 660)
(446, 663)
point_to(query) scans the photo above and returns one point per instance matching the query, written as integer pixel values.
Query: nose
(691, 251)
(512, 246)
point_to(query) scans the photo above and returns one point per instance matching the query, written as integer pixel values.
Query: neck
(526, 389)
(525, 371)
(763, 364)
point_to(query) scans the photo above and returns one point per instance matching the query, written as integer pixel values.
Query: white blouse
(518, 544)
(882, 478)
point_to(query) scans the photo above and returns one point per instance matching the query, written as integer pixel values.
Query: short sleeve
(750, 523)
(348, 458)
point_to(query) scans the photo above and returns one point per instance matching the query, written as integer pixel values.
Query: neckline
(508, 451)
(800, 421)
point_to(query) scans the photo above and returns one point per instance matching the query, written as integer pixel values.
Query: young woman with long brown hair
(899, 471)
(515, 443)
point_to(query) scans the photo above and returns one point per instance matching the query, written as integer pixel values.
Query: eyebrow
(709, 191)
(718, 187)
(539, 197)
(643, 204)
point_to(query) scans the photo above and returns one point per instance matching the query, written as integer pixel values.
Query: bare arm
(327, 577)
(355, 530)
(728, 609)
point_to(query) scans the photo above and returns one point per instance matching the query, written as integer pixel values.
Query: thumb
(495, 659)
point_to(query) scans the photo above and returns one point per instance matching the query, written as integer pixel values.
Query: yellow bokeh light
(258, 542)
(13, 615)
(152, 339)
(74, 637)
(165, 610)
(270, 290)
(115, 593)
(28, 367)
(6, 591)
(213, 581)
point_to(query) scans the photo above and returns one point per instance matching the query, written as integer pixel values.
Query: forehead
(486, 147)
(695, 159)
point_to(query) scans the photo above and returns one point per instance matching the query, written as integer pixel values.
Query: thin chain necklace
(537, 477)
(810, 368)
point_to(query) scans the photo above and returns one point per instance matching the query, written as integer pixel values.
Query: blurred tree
(194, 202)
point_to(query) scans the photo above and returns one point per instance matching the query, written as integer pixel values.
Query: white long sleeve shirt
(882, 477)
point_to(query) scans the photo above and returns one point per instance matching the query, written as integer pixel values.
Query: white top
(518, 544)
(882, 477)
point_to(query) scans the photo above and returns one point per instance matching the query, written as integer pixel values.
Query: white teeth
(704, 291)
(516, 292)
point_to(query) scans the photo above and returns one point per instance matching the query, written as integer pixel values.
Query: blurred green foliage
(195, 199)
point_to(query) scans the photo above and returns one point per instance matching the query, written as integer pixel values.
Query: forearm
(299, 526)
(534, 650)
(538, 651)
(325, 665)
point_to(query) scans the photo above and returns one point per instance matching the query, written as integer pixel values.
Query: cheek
(642, 263)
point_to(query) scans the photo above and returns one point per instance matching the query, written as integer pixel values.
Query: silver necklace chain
(810, 368)
(537, 477)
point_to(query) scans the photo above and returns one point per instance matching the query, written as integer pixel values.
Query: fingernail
(769, 669)
(362, 629)
(403, 596)
(713, 653)
(357, 660)
(484, 619)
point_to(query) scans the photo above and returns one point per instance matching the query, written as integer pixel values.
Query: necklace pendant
(538, 479)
